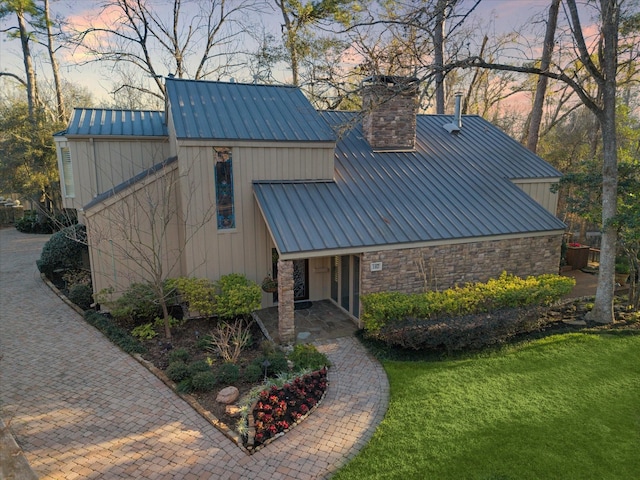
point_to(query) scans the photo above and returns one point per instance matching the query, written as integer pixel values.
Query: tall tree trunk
(541, 88)
(28, 65)
(438, 53)
(603, 306)
(54, 66)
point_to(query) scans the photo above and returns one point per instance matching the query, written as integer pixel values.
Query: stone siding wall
(286, 323)
(440, 267)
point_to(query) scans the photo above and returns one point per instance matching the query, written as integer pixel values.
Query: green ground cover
(564, 407)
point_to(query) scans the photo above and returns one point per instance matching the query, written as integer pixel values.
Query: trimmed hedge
(467, 332)
(386, 309)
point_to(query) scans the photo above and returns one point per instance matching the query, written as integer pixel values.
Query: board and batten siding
(540, 191)
(211, 253)
(100, 164)
(113, 245)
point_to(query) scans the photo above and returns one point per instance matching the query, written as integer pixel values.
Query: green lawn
(566, 407)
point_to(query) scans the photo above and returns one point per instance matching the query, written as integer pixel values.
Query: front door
(300, 280)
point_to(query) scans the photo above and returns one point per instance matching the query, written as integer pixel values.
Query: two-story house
(239, 178)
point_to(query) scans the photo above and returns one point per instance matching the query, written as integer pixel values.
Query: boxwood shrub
(63, 251)
(81, 295)
(386, 309)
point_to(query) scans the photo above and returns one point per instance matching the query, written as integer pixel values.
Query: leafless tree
(598, 63)
(140, 230)
(196, 42)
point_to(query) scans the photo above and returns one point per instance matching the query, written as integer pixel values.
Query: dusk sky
(508, 15)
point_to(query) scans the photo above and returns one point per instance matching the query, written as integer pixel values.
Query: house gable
(108, 147)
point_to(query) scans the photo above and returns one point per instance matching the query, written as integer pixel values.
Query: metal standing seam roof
(454, 186)
(109, 122)
(236, 111)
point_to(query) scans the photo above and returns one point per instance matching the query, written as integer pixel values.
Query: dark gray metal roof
(132, 181)
(235, 111)
(454, 186)
(108, 122)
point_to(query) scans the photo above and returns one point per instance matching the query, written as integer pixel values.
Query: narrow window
(67, 173)
(224, 189)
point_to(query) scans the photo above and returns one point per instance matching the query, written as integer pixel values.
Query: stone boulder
(228, 395)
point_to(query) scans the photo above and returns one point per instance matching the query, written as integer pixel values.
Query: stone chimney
(389, 107)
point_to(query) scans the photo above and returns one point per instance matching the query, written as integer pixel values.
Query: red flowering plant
(277, 408)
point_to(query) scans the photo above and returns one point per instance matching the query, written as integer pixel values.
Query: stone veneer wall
(389, 120)
(286, 307)
(429, 268)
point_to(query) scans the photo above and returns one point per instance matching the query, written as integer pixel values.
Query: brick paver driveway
(81, 408)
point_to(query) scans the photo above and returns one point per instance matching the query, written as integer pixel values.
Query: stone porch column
(286, 324)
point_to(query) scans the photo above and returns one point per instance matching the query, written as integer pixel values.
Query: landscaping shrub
(253, 373)
(204, 381)
(466, 332)
(277, 363)
(307, 357)
(198, 367)
(81, 295)
(179, 354)
(177, 371)
(185, 386)
(238, 296)
(229, 339)
(138, 304)
(204, 342)
(144, 332)
(32, 223)
(228, 373)
(386, 309)
(63, 251)
(198, 293)
(115, 334)
(76, 277)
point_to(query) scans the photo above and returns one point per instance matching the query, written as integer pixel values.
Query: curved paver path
(81, 408)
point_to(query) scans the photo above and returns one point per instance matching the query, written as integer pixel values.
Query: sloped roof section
(236, 111)
(454, 186)
(132, 181)
(108, 122)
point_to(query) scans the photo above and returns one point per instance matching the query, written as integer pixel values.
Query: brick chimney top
(389, 106)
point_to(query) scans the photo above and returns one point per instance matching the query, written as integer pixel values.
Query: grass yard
(564, 407)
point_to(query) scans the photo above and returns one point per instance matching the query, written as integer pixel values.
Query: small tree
(137, 230)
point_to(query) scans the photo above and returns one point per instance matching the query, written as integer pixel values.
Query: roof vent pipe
(456, 125)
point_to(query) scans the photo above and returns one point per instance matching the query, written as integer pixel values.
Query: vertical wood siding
(247, 248)
(99, 165)
(122, 227)
(541, 193)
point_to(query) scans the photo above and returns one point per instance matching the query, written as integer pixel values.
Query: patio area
(314, 321)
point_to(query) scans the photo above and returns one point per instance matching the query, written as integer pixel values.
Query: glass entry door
(345, 283)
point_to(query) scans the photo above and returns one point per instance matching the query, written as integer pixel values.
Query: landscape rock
(232, 410)
(228, 395)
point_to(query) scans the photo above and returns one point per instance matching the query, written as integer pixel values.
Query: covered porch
(313, 321)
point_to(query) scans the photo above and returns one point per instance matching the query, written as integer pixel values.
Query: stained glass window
(224, 189)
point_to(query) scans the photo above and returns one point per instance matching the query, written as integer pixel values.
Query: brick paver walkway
(81, 408)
